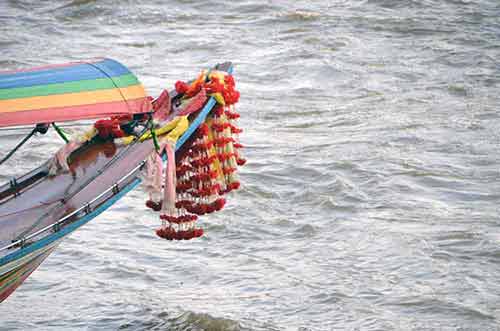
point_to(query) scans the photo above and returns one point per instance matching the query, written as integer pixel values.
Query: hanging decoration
(194, 184)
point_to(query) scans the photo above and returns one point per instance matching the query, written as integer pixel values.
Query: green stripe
(70, 87)
(10, 273)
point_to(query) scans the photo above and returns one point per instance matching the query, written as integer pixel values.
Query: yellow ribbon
(171, 131)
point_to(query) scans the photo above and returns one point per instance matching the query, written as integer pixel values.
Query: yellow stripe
(179, 129)
(72, 99)
(164, 129)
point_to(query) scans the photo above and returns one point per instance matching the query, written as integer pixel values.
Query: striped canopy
(69, 92)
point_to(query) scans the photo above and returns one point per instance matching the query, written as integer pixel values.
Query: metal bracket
(87, 209)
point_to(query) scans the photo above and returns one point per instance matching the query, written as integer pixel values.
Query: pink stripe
(50, 66)
(63, 114)
(168, 206)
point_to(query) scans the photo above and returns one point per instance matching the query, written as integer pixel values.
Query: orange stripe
(72, 99)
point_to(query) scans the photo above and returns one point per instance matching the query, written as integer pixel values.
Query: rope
(60, 133)
(30, 208)
(155, 139)
(41, 128)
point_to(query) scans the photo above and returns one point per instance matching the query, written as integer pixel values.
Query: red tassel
(235, 129)
(219, 127)
(203, 130)
(179, 219)
(183, 187)
(183, 169)
(194, 89)
(225, 156)
(198, 209)
(109, 128)
(210, 209)
(198, 232)
(229, 80)
(202, 146)
(219, 204)
(181, 87)
(183, 204)
(156, 206)
(232, 116)
(166, 233)
(228, 170)
(234, 185)
(204, 176)
(218, 111)
(205, 192)
(214, 86)
(223, 141)
(204, 161)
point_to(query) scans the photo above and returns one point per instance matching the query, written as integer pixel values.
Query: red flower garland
(208, 166)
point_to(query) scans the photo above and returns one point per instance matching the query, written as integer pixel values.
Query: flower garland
(206, 168)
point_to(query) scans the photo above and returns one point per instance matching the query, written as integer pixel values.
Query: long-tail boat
(182, 145)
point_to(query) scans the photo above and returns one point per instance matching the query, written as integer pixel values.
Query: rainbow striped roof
(68, 92)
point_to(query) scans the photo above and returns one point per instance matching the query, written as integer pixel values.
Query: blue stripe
(68, 228)
(85, 71)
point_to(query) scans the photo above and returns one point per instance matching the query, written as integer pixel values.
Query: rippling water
(370, 200)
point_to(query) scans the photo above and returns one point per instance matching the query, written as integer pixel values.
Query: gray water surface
(370, 199)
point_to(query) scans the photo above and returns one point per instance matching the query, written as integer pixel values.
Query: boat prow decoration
(191, 129)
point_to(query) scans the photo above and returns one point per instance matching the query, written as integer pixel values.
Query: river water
(370, 200)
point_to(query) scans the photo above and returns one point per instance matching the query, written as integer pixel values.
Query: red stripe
(63, 114)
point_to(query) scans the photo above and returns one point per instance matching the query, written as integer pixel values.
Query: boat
(183, 146)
